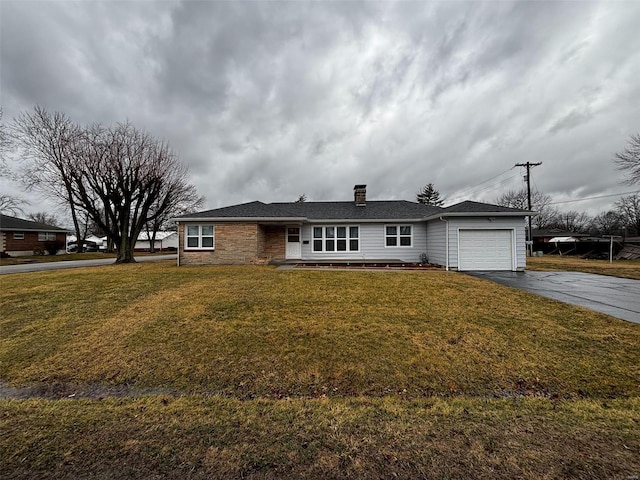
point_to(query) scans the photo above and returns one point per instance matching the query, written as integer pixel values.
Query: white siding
(372, 244)
(436, 242)
(517, 223)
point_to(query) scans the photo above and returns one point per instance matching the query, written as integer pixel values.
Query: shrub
(53, 247)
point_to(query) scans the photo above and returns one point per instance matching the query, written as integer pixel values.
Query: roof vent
(360, 195)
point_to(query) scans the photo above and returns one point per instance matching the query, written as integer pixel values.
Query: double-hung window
(18, 235)
(46, 236)
(398, 236)
(336, 239)
(199, 237)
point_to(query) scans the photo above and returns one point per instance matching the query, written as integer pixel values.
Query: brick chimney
(360, 195)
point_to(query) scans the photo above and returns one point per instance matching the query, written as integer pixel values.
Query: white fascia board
(239, 219)
(368, 220)
(481, 214)
(298, 220)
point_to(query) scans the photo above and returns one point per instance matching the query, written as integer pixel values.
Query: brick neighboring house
(465, 236)
(22, 237)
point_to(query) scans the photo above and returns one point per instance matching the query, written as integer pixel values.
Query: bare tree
(45, 218)
(118, 176)
(429, 196)
(5, 146)
(12, 205)
(9, 204)
(629, 160)
(184, 199)
(540, 203)
(301, 198)
(608, 223)
(48, 143)
(629, 209)
(126, 179)
(572, 221)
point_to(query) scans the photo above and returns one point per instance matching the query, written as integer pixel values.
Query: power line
(495, 186)
(593, 198)
(470, 189)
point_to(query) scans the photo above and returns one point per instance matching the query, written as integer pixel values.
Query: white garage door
(485, 250)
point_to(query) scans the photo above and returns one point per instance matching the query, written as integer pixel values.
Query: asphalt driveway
(618, 297)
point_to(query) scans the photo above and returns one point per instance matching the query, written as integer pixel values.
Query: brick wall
(30, 242)
(275, 240)
(237, 244)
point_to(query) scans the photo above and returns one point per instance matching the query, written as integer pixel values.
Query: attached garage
(477, 236)
(486, 249)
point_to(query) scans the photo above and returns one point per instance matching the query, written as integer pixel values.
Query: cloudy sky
(270, 100)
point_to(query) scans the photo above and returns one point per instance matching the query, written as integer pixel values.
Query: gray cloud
(268, 100)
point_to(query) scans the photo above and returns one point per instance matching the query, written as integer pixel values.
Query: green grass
(271, 374)
(618, 268)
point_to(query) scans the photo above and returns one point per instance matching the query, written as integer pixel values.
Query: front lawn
(257, 373)
(618, 268)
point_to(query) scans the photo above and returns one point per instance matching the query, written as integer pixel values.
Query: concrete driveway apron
(618, 297)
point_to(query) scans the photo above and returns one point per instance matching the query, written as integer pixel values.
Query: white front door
(294, 249)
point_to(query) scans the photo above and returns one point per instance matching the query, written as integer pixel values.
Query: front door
(294, 249)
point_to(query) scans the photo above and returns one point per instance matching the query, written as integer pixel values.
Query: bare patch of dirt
(68, 390)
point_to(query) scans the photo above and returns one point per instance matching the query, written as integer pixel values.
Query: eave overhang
(43, 230)
(240, 219)
(481, 214)
(296, 220)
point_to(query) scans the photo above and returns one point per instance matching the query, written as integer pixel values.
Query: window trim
(199, 236)
(398, 236)
(347, 238)
(48, 237)
(18, 235)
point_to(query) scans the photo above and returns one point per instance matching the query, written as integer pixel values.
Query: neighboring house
(22, 237)
(165, 240)
(548, 235)
(466, 236)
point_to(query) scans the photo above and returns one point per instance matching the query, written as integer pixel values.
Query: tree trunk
(76, 226)
(126, 244)
(125, 251)
(152, 245)
(151, 237)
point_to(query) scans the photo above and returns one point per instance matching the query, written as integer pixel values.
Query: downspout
(446, 241)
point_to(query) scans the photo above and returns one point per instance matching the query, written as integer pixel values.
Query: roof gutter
(238, 219)
(298, 220)
(523, 213)
(366, 220)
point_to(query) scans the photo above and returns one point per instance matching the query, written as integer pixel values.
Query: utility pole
(528, 178)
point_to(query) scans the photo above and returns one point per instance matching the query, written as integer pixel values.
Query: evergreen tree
(429, 196)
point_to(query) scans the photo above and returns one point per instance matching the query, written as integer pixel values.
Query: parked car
(88, 246)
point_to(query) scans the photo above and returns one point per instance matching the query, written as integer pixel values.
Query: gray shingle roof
(8, 223)
(374, 210)
(476, 207)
